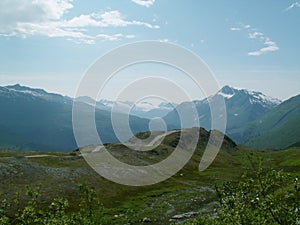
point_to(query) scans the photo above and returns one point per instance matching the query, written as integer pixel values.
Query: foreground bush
(260, 197)
(56, 213)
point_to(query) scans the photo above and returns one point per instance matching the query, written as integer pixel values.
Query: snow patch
(227, 96)
(144, 106)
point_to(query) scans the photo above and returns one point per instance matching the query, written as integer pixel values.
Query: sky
(50, 44)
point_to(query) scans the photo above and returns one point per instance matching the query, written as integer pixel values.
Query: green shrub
(260, 197)
(57, 212)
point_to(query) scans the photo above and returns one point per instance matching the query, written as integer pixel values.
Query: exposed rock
(183, 216)
(146, 220)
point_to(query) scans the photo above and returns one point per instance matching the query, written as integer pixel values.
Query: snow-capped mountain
(254, 96)
(140, 106)
(242, 106)
(232, 96)
(145, 109)
(151, 110)
(13, 91)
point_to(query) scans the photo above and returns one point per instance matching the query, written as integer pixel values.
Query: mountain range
(33, 119)
(242, 106)
(143, 109)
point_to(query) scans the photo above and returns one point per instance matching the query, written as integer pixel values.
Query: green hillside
(188, 191)
(277, 129)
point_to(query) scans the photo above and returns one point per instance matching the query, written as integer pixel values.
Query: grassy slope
(188, 190)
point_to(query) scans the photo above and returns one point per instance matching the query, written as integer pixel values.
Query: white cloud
(146, 3)
(32, 10)
(54, 9)
(293, 5)
(235, 28)
(269, 45)
(255, 35)
(114, 18)
(45, 18)
(240, 26)
(106, 19)
(114, 37)
(164, 40)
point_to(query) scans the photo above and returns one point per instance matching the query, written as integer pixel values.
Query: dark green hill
(296, 145)
(166, 147)
(277, 129)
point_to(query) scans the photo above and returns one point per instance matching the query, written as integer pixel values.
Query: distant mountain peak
(227, 89)
(254, 96)
(25, 89)
(227, 92)
(259, 97)
(15, 86)
(17, 90)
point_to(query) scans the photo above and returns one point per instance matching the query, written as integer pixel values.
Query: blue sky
(247, 44)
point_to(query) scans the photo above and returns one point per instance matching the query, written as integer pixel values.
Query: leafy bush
(3, 218)
(57, 211)
(260, 197)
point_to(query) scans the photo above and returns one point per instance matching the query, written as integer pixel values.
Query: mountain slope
(277, 129)
(242, 107)
(32, 119)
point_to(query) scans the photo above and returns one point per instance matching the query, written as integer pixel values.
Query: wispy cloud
(45, 18)
(268, 44)
(255, 35)
(146, 3)
(106, 19)
(293, 5)
(164, 40)
(114, 37)
(235, 28)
